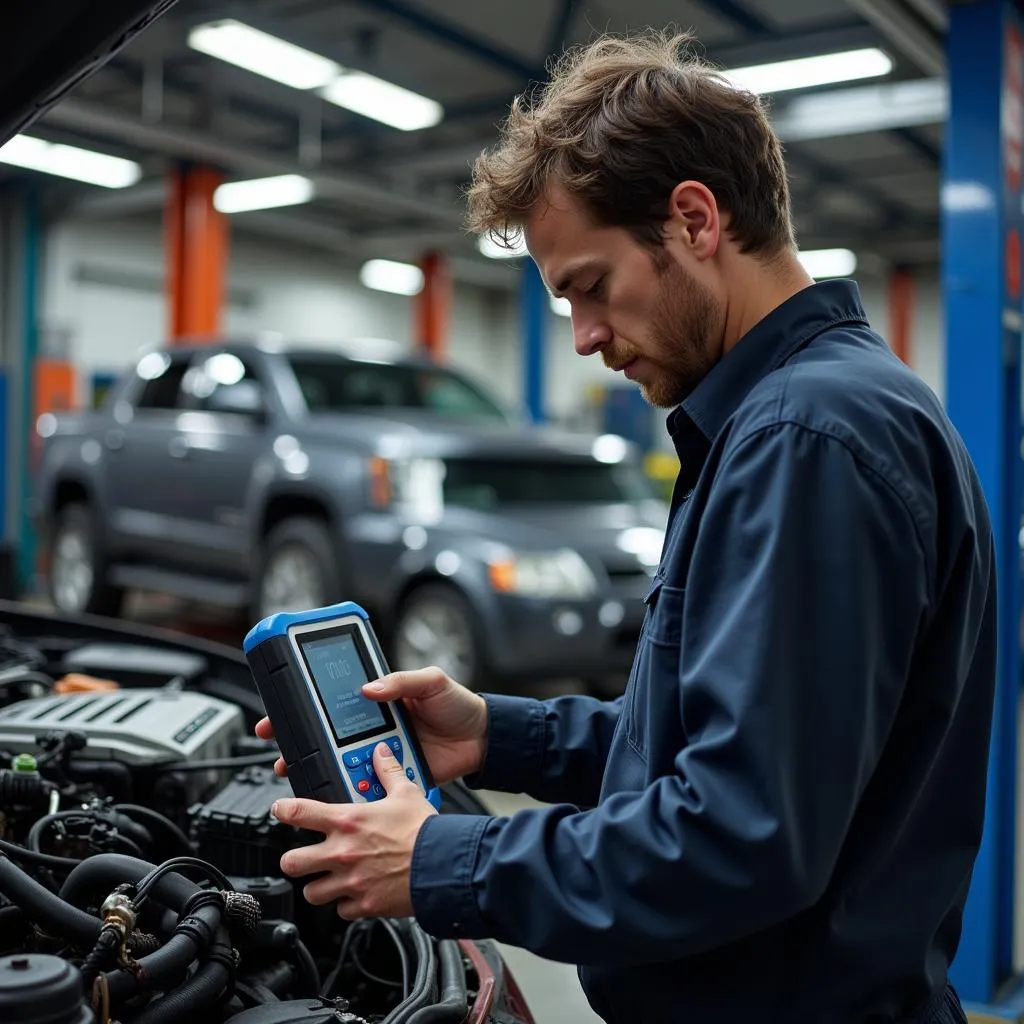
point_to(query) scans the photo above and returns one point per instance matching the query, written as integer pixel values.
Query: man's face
(645, 313)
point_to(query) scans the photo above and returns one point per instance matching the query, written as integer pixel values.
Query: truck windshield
(339, 385)
(491, 483)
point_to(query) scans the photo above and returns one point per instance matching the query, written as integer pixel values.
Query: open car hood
(48, 46)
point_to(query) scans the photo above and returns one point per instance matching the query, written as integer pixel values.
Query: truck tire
(436, 625)
(297, 569)
(77, 578)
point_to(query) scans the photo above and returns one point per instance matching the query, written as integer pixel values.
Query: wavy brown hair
(621, 122)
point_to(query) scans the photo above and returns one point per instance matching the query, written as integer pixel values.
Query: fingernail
(273, 809)
(377, 686)
(385, 750)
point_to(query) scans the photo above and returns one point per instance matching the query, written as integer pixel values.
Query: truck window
(162, 383)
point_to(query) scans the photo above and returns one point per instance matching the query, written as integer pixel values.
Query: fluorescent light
(263, 54)
(808, 72)
(562, 306)
(263, 193)
(70, 162)
(864, 109)
(828, 262)
(388, 276)
(496, 251)
(383, 101)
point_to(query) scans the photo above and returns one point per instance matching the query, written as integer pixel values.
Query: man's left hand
(367, 848)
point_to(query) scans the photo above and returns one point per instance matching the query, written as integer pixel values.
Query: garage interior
(292, 172)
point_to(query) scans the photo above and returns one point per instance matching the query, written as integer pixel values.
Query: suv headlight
(553, 574)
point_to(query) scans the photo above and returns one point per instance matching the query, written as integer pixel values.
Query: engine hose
(101, 873)
(157, 822)
(453, 1005)
(198, 994)
(12, 922)
(39, 904)
(307, 977)
(426, 970)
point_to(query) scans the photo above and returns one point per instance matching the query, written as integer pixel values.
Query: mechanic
(780, 817)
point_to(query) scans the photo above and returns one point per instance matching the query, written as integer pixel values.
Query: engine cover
(136, 727)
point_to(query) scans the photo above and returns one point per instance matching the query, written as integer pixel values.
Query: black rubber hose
(452, 1006)
(426, 971)
(101, 873)
(307, 977)
(157, 822)
(193, 997)
(56, 914)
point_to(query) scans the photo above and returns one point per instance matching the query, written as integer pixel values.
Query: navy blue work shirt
(779, 818)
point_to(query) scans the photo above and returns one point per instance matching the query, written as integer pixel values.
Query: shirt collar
(764, 348)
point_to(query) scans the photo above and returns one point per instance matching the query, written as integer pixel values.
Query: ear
(694, 220)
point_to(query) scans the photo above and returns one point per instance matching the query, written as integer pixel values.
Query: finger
(280, 768)
(306, 860)
(389, 771)
(420, 682)
(264, 729)
(303, 813)
(324, 890)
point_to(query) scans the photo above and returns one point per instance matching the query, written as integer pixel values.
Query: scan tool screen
(338, 670)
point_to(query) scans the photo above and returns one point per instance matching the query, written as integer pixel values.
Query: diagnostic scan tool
(310, 668)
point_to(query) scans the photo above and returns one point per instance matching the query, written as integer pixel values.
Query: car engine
(139, 865)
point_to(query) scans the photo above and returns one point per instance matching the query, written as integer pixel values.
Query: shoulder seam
(895, 484)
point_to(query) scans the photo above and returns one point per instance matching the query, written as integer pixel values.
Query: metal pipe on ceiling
(934, 12)
(904, 32)
(186, 143)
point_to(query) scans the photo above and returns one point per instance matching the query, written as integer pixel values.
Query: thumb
(389, 771)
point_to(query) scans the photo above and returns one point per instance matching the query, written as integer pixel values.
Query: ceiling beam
(739, 15)
(906, 33)
(187, 143)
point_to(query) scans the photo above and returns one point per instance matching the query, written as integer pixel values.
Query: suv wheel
(77, 577)
(298, 569)
(436, 625)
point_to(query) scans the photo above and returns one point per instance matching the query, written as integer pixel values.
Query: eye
(596, 288)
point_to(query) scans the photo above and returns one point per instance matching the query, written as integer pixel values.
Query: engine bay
(139, 861)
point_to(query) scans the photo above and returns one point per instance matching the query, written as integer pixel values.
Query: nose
(589, 335)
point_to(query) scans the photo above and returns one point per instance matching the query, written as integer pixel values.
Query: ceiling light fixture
(267, 55)
(867, 108)
(263, 54)
(263, 193)
(70, 162)
(383, 101)
(810, 72)
(821, 263)
(389, 276)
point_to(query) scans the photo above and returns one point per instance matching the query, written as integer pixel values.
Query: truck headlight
(553, 574)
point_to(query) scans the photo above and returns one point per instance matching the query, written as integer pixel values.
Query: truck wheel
(77, 580)
(298, 569)
(436, 625)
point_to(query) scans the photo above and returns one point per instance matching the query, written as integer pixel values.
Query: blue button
(378, 790)
(396, 744)
(370, 773)
(353, 759)
(411, 774)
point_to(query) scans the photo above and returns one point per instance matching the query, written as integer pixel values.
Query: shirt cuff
(514, 758)
(441, 877)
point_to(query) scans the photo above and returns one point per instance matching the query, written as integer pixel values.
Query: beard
(685, 331)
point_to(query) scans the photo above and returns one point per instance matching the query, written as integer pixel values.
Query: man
(780, 817)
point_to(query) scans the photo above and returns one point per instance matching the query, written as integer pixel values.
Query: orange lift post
(901, 312)
(196, 236)
(433, 306)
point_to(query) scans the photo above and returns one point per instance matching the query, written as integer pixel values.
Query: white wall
(103, 300)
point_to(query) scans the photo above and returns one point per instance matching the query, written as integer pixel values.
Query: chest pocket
(652, 699)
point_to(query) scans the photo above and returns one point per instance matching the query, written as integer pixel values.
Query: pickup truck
(283, 478)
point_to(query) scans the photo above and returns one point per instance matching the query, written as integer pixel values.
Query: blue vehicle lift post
(981, 279)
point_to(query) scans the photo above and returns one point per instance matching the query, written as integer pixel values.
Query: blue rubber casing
(309, 749)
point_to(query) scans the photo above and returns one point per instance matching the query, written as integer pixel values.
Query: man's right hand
(450, 720)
